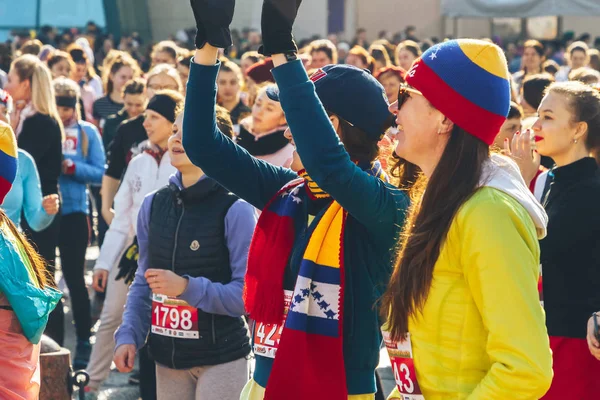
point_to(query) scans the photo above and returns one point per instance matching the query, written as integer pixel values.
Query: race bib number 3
(267, 336)
(174, 318)
(403, 366)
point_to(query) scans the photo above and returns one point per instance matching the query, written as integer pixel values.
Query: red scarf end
(269, 309)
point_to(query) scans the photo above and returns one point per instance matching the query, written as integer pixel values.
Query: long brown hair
(37, 262)
(454, 180)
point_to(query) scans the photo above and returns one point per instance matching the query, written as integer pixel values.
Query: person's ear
(581, 129)
(446, 126)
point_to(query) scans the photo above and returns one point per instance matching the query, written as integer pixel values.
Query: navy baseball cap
(354, 95)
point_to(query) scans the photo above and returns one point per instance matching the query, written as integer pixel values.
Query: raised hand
(213, 18)
(277, 20)
(521, 151)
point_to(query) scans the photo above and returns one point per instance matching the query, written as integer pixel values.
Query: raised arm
(365, 197)
(254, 180)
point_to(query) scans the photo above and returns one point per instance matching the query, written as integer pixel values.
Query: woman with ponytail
(83, 165)
(39, 132)
(26, 295)
(462, 307)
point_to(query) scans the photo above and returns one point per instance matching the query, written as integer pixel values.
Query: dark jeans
(147, 375)
(45, 242)
(73, 243)
(96, 204)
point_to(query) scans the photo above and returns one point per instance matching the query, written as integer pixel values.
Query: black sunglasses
(403, 95)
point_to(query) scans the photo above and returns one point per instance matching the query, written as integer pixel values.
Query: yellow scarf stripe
(325, 245)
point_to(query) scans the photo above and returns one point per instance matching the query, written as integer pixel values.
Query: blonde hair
(168, 70)
(65, 87)
(29, 67)
(169, 47)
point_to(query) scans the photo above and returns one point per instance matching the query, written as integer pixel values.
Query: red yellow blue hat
(468, 81)
(8, 159)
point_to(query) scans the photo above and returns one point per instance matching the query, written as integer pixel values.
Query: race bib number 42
(267, 336)
(403, 366)
(174, 318)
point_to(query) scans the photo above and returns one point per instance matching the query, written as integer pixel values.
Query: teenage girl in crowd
(85, 75)
(360, 58)
(531, 62)
(473, 228)
(147, 172)
(39, 132)
(248, 59)
(122, 69)
(60, 64)
(406, 53)
(130, 134)
(230, 83)
(26, 297)
(568, 130)
(262, 134)
(165, 52)
(380, 57)
(329, 234)
(25, 196)
(208, 262)
(83, 165)
(134, 104)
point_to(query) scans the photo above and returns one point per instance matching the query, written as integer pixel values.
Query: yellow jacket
(482, 333)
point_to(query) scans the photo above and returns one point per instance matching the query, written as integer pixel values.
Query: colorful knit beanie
(468, 81)
(8, 159)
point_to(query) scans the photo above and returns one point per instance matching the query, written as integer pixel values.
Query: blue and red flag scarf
(310, 354)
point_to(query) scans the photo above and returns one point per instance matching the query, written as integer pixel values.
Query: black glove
(128, 264)
(212, 22)
(277, 20)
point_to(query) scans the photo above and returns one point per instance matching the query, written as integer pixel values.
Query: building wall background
(167, 17)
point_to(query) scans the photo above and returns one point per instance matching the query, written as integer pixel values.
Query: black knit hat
(164, 105)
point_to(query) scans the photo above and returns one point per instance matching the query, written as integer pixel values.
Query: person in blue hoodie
(83, 164)
(26, 295)
(187, 292)
(322, 251)
(25, 196)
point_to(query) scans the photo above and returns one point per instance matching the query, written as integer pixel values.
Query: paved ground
(117, 387)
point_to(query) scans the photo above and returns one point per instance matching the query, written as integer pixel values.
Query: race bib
(267, 336)
(403, 366)
(174, 318)
(70, 143)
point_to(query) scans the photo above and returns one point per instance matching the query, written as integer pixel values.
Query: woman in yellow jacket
(464, 320)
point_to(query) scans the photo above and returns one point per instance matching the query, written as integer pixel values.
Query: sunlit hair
(29, 67)
(166, 46)
(168, 70)
(11, 233)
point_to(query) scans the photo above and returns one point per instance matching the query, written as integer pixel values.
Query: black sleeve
(95, 113)
(41, 137)
(116, 161)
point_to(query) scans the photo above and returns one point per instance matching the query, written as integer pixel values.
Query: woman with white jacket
(147, 172)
